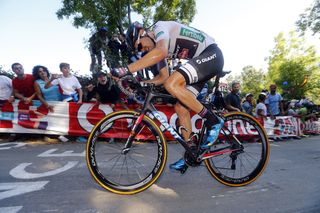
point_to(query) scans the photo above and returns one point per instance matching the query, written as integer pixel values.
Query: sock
(211, 119)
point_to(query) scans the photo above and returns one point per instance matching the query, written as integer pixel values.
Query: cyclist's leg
(184, 120)
(198, 70)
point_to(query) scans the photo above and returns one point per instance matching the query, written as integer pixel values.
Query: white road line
(20, 173)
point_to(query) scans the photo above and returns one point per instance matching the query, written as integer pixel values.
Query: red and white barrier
(79, 119)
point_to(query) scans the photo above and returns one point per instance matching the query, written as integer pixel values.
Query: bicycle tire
(140, 167)
(252, 159)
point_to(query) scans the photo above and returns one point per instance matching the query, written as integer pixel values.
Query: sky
(31, 33)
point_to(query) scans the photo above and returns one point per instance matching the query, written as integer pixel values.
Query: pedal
(183, 169)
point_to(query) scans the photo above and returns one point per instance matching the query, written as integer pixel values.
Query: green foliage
(293, 77)
(294, 67)
(7, 73)
(95, 14)
(252, 80)
(277, 55)
(310, 20)
(116, 14)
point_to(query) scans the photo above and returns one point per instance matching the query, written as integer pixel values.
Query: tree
(310, 20)
(7, 73)
(253, 80)
(298, 79)
(116, 14)
(294, 67)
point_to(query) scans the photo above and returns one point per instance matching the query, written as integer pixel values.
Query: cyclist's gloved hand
(120, 72)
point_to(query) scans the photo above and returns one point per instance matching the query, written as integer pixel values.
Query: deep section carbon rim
(239, 165)
(132, 171)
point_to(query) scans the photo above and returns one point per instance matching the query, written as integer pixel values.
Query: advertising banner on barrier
(79, 119)
(282, 126)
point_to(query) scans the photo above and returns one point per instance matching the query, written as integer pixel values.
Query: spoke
(249, 162)
(126, 171)
(120, 174)
(115, 162)
(136, 169)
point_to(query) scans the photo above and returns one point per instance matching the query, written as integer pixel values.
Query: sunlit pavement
(39, 176)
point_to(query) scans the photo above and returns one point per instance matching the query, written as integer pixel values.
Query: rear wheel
(126, 171)
(238, 164)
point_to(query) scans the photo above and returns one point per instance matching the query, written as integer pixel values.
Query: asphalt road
(53, 177)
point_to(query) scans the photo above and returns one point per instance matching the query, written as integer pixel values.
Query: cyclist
(170, 39)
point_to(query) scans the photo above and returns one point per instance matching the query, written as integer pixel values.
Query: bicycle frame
(148, 108)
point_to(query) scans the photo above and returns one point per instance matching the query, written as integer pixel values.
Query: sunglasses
(139, 47)
(139, 44)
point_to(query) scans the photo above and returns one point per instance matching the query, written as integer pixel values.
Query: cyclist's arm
(157, 54)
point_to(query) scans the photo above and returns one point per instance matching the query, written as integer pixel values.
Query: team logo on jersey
(159, 34)
(192, 34)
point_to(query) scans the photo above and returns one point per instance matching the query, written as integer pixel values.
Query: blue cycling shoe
(180, 165)
(212, 134)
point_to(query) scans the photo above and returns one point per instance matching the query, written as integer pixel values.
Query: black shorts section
(197, 71)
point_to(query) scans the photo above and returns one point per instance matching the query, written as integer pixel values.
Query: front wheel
(241, 152)
(120, 169)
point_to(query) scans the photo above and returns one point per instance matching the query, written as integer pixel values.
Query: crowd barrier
(79, 119)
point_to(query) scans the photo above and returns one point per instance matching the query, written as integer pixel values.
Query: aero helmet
(133, 34)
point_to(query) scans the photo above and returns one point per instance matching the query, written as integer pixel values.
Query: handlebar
(131, 87)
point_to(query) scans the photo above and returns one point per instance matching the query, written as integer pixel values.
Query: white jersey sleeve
(161, 32)
(183, 42)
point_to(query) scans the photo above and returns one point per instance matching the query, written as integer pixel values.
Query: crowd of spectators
(113, 47)
(268, 104)
(47, 87)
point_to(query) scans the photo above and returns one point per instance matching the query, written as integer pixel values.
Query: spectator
(305, 113)
(97, 44)
(247, 105)
(261, 109)
(71, 88)
(265, 91)
(233, 101)
(217, 100)
(41, 75)
(292, 108)
(105, 90)
(23, 89)
(6, 89)
(6, 95)
(117, 48)
(274, 102)
(23, 84)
